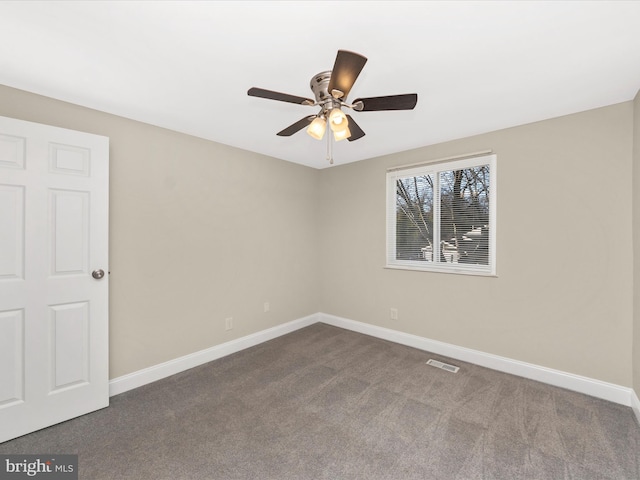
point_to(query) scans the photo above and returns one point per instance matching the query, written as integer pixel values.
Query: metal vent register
(443, 366)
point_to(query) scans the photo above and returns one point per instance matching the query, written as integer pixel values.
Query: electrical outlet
(393, 313)
(228, 323)
(267, 307)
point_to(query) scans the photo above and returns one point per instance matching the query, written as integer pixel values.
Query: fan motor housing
(320, 87)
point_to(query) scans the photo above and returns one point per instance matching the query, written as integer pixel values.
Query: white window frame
(434, 169)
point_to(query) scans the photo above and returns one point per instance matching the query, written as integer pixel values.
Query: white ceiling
(476, 66)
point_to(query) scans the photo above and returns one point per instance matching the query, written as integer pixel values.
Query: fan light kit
(330, 89)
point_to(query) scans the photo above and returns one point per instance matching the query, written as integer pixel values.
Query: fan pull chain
(329, 148)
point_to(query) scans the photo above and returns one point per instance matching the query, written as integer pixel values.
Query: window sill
(453, 271)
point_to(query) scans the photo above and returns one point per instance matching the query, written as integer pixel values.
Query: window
(441, 217)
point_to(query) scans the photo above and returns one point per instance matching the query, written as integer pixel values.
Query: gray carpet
(326, 403)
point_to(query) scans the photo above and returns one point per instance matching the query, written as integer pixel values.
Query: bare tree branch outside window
(463, 214)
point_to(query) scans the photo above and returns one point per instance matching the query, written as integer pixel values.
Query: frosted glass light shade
(317, 128)
(337, 120)
(341, 134)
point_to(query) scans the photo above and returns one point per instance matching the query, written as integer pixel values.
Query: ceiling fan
(331, 89)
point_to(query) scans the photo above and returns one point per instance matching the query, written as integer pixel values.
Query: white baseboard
(635, 404)
(151, 374)
(577, 383)
(589, 386)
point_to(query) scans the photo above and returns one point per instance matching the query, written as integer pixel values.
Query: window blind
(441, 217)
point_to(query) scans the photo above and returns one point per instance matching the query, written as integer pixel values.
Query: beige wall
(198, 232)
(563, 294)
(636, 245)
(201, 231)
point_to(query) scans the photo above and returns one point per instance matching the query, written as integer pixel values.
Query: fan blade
(390, 102)
(354, 128)
(346, 69)
(282, 97)
(299, 125)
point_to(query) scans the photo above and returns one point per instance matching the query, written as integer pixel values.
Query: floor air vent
(443, 366)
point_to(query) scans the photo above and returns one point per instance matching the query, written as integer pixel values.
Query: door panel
(69, 160)
(12, 151)
(69, 337)
(53, 313)
(12, 231)
(69, 232)
(11, 357)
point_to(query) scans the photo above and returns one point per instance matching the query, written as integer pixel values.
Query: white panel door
(54, 186)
